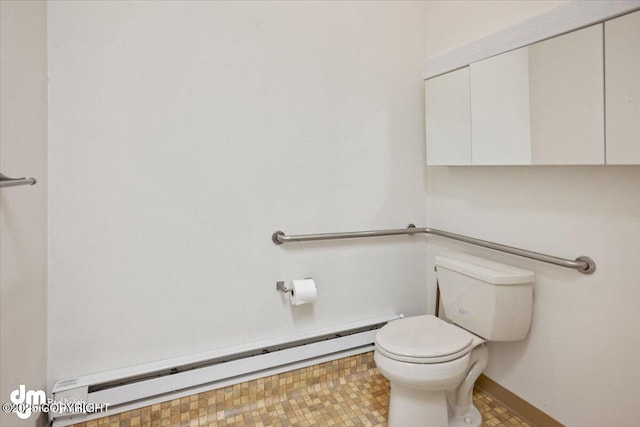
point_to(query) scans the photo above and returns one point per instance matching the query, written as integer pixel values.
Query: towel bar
(5, 181)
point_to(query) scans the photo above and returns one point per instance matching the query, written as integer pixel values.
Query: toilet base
(409, 407)
(472, 419)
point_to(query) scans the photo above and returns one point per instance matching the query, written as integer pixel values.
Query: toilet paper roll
(303, 291)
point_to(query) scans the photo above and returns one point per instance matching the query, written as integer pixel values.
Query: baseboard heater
(138, 386)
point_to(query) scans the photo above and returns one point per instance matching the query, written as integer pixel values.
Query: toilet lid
(422, 337)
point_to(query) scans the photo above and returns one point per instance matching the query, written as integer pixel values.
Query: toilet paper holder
(280, 286)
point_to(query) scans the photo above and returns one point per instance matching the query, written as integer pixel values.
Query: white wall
(580, 361)
(23, 138)
(182, 134)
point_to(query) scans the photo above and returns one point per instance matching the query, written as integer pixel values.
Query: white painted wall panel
(579, 363)
(23, 210)
(182, 134)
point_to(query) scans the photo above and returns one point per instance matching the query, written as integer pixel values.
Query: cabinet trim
(563, 19)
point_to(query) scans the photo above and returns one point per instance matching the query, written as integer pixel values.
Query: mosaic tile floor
(345, 392)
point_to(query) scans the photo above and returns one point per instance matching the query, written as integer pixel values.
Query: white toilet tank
(490, 299)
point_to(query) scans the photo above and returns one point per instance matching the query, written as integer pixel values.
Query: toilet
(432, 364)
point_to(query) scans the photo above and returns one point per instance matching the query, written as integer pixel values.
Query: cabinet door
(448, 119)
(622, 59)
(500, 125)
(542, 104)
(566, 78)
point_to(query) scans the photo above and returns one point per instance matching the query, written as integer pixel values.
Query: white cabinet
(562, 88)
(622, 60)
(538, 105)
(448, 119)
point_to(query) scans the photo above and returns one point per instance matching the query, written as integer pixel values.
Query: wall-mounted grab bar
(5, 181)
(583, 264)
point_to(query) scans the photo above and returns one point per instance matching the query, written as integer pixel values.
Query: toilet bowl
(432, 364)
(426, 361)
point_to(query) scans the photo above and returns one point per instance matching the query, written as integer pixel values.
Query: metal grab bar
(583, 264)
(5, 181)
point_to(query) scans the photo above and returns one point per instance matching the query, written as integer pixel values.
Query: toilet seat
(423, 339)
